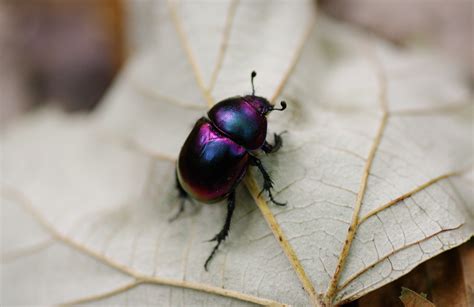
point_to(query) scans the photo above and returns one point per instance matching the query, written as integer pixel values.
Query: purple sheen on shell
(261, 104)
(210, 164)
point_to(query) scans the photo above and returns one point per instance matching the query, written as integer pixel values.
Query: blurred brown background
(67, 53)
(62, 52)
(439, 24)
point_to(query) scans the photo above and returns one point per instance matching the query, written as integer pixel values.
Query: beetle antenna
(283, 106)
(252, 76)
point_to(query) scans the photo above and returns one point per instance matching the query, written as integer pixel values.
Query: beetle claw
(212, 240)
(274, 201)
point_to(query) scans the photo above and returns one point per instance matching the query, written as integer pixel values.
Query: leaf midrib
(250, 182)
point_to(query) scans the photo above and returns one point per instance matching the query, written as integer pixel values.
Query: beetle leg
(182, 195)
(225, 230)
(267, 180)
(278, 142)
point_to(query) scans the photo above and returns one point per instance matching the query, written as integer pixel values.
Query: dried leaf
(444, 279)
(412, 299)
(375, 168)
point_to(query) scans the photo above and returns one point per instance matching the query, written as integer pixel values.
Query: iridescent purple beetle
(218, 151)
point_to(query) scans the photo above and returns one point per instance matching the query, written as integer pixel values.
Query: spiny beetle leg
(222, 235)
(267, 180)
(277, 143)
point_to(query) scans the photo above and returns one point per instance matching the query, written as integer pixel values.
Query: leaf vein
(152, 94)
(354, 276)
(187, 48)
(25, 203)
(100, 296)
(407, 195)
(332, 288)
(26, 251)
(295, 59)
(254, 190)
(224, 44)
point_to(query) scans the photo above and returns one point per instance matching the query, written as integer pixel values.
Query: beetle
(218, 151)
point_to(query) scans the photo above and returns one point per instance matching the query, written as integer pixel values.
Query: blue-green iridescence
(215, 157)
(241, 121)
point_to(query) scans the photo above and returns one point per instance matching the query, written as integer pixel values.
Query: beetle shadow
(162, 196)
(174, 201)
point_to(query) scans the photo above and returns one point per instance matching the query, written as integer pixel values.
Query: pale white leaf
(86, 199)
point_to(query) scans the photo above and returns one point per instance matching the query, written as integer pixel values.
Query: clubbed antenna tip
(252, 76)
(282, 107)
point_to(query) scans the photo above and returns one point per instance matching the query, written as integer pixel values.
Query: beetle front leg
(277, 143)
(267, 180)
(225, 230)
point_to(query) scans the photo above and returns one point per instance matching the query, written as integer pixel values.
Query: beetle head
(261, 104)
